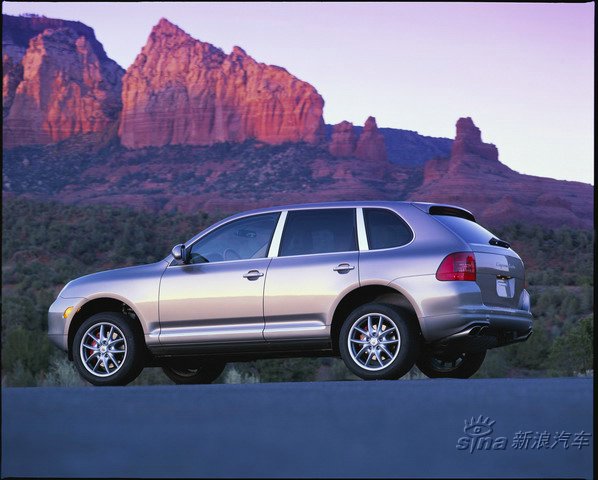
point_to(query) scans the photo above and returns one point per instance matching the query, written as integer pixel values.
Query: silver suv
(383, 285)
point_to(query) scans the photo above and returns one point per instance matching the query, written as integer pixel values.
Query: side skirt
(241, 352)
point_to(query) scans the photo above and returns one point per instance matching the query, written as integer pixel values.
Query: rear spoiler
(441, 209)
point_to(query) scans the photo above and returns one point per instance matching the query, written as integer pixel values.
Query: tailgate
(500, 272)
(500, 275)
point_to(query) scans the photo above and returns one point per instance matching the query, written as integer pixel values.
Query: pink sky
(524, 72)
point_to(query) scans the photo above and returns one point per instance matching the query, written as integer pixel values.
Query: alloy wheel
(103, 349)
(374, 341)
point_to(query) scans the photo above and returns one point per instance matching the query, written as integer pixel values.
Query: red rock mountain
(369, 147)
(371, 143)
(180, 90)
(469, 151)
(228, 133)
(474, 178)
(343, 140)
(61, 84)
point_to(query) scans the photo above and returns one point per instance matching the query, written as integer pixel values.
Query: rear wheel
(190, 374)
(107, 350)
(378, 342)
(456, 365)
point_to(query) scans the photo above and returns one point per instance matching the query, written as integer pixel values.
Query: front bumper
(58, 326)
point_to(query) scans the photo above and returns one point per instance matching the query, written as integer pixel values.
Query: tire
(192, 374)
(124, 358)
(460, 365)
(401, 343)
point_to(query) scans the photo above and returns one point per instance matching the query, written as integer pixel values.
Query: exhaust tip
(474, 331)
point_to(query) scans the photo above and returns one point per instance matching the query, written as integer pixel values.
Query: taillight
(457, 266)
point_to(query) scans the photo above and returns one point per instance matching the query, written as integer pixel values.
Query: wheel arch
(98, 305)
(368, 294)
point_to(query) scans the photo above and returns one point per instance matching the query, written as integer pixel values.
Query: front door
(218, 296)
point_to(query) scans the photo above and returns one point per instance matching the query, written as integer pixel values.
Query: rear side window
(385, 229)
(470, 232)
(319, 231)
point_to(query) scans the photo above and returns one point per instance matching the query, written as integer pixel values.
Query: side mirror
(178, 251)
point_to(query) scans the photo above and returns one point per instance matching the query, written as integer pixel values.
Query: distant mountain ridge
(190, 127)
(406, 147)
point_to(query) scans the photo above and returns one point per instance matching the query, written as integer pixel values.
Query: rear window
(319, 231)
(470, 232)
(385, 229)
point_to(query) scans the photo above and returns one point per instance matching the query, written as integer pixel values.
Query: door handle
(343, 268)
(253, 274)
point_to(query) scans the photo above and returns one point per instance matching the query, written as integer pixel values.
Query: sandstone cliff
(370, 146)
(180, 90)
(62, 85)
(343, 141)
(468, 149)
(474, 178)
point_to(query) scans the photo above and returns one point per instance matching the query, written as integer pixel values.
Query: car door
(218, 296)
(316, 263)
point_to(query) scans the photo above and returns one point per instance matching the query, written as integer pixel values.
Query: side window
(319, 231)
(385, 229)
(238, 240)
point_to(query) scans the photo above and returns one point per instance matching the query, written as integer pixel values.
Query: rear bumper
(481, 329)
(478, 338)
(446, 308)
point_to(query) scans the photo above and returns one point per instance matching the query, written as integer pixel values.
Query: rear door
(500, 271)
(317, 261)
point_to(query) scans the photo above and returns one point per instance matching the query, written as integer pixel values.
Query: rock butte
(62, 84)
(369, 147)
(180, 90)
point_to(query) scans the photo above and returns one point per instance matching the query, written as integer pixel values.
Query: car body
(282, 281)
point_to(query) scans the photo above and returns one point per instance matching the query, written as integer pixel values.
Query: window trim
(413, 234)
(277, 237)
(175, 263)
(355, 226)
(362, 236)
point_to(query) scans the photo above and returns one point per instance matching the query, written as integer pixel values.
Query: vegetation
(44, 245)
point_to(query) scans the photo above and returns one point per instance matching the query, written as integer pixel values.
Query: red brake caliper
(93, 344)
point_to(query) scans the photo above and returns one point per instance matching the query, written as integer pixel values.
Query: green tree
(572, 352)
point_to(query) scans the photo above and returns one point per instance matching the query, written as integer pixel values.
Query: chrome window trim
(362, 237)
(275, 243)
(219, 262)
(303, 255)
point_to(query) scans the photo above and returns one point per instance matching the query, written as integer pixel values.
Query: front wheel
(378, 342)
(183, 374)
(456, 365)
(108, 350)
